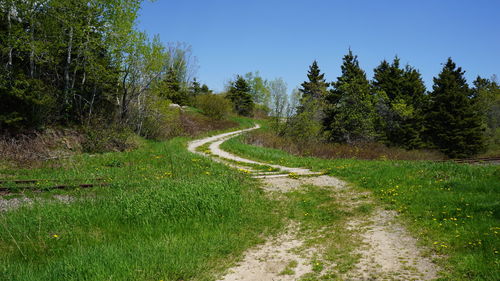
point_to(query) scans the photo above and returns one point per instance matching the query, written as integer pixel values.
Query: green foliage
(259, 88)
(486, 97)
(57, 56)
(400, 104)
(239, 94)
(214, 106)
(315, 89)
(349, 113)
(303, 126)
(25, 103)
(160, 121)
(454, 125)
(172, 88)
(99, 138)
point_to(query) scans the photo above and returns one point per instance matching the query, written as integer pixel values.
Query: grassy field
(454, 209)
(166, 215)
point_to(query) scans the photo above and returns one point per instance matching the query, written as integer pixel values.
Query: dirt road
(382, 249)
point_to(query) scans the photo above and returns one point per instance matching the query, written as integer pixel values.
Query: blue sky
(280, 38)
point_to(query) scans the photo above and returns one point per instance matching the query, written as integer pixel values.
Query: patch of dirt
(389, 251)
(268, 262)
(287, 184)
(14, 203)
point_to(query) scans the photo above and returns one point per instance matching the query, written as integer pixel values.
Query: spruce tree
(454, 125)
(172, 88)
(313, 90)
(399, 99)
(240, 96)
(349, 112)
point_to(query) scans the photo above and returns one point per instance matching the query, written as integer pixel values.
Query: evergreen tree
(399, 100)
(349, 112)
(486, 97)
(205, 90)
(172, 88)
(195, 88)
(239, 94)
(454, 125)
(313, 90)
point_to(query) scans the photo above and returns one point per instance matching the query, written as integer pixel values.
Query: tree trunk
(67, 67)
(9, 27)
(32, 52)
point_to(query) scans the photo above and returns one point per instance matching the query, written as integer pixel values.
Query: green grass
(167, 214)
(454, 209)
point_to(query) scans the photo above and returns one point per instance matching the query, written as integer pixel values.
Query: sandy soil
(388, 251)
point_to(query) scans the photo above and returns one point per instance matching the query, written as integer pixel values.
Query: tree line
(80, 62)
(396, 109)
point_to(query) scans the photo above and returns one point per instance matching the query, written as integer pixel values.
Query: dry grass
(369, 151)
(29, 149)
(195, 124)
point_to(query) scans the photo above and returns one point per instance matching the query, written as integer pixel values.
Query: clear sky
(281, 38)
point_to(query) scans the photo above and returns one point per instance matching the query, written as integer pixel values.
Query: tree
(279, 103)
(279, 97)
(399, 102)
(62, 57)
(454, 125)
(486, 97)
(313, 90)
(239, 95)
(172, 88)
(349, 111)
(259, 88)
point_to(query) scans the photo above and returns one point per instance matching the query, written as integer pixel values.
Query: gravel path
(387, 250)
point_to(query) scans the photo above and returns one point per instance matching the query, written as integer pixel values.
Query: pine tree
(315, 89)
(349, 113)
(172, 88)
(195, 88)
(399, 99)
(454, 125)
(240, 96)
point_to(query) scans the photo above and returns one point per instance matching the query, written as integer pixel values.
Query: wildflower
(55, 236)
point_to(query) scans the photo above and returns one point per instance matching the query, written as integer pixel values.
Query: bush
(214, 106)
(261, 111)
(102, 137)
(159, 121)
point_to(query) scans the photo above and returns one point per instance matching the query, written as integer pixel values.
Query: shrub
(103, 137)
(214, 106)
(196, 124)
(261, 111)
(159, 121)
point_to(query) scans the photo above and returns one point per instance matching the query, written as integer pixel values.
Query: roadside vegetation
(166, 214)
(452, 208)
